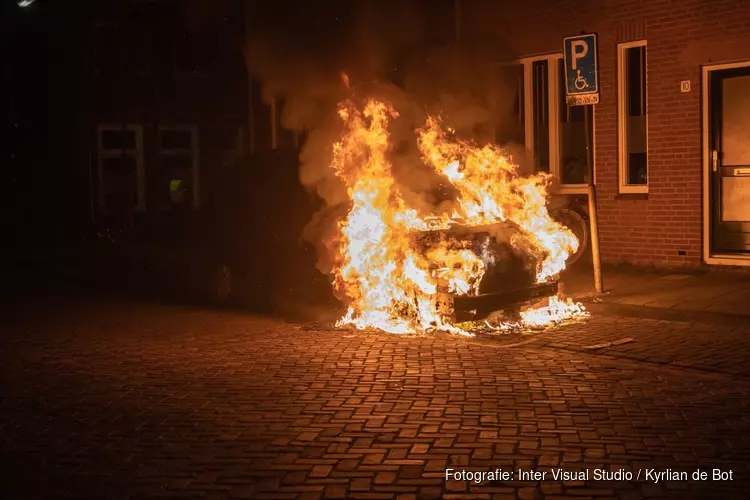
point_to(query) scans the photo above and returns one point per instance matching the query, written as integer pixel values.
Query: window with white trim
(540, 104)
(120, 166)
(508, 112)
(572, 136)
(179, 165)
(632, 117)
(553, 132)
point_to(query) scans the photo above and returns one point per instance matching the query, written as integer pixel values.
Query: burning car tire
(578, 224)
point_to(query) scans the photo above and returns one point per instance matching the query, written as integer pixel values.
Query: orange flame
(391, 285)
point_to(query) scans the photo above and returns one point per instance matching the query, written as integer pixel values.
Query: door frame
(720, 259)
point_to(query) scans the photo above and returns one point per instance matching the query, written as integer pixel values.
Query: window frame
(193, 151)
(622, 115)
(108, 153)
(554, 101)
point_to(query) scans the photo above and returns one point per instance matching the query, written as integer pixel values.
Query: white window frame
(193, 151)
(554, 102)
(136, 153)
(622, 120)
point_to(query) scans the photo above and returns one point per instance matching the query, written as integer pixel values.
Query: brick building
(166, 102)
(671, 133)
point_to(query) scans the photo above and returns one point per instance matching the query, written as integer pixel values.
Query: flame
(388, 282)
(492, 191)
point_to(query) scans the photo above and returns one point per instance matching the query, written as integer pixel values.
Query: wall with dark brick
(682, 35)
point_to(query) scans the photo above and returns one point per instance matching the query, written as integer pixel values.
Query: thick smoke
(381, 47)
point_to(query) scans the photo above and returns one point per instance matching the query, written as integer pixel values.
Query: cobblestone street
(122, 399)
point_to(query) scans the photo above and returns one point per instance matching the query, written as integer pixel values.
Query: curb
(665, 314)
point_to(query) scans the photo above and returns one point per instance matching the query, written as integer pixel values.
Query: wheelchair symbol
(580, 82)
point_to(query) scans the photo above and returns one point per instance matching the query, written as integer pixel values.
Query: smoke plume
(385, 51)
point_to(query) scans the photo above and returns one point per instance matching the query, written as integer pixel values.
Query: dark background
(68, 67)
(43, 69)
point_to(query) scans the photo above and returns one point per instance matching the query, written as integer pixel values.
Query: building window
(121, 172)
(118, 140)
(632, 117)
(554, 132)
(540, 106)
(572, 133)
(507, 106)
(179, 167)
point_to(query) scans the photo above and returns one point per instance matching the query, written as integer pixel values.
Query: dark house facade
(166, 111)
(672, 128)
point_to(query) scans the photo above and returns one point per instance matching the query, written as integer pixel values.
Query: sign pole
(580, 53)
(593, 215)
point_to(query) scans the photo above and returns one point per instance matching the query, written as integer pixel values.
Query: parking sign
(581, 70)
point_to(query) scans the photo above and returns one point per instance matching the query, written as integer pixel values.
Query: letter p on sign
(579, 49)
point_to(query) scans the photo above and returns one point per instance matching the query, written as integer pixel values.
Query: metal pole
(593, 216)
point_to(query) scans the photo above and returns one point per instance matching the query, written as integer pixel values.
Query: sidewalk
(713, 296)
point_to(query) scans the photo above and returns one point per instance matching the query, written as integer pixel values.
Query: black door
(729, 159)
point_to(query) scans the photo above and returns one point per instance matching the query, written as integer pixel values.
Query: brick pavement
(697, 346)
(116, 399)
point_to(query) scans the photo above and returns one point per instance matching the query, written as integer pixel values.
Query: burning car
(402, 271)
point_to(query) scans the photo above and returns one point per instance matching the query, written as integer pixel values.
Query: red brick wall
(682, 36)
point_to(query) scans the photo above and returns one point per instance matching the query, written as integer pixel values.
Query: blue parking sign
(581, 70)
